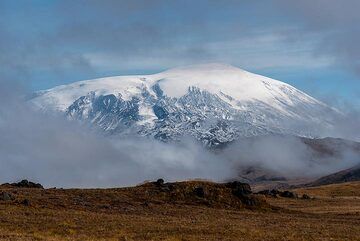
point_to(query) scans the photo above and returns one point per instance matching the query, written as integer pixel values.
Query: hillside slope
(348, 175)
(147, 212)
(214, 103)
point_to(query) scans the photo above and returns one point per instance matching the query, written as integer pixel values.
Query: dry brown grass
(348, 189)
(141, 213)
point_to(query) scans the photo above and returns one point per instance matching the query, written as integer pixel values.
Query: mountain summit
(215, 103)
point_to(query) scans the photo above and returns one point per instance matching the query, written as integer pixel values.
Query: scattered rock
(272, 193)
(288, 194)
(264, 192)
(276, 193)
(232, 194)
(305, 196)
(160, 182)
(239, 188)
(5, 196)
(26, 202)
(243, 192)
(237, 184)
(249, 200)
(105, 206)
(199, 192)
(164, 187)
(27, 184)
(167, 187)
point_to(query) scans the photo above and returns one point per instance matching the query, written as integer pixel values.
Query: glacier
(214, 103)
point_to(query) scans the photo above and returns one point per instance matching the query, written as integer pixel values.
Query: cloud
(57, 152)
(62, 40)
(289, 156)
(336, 21)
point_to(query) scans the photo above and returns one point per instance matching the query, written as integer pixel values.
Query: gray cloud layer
(57, 152)
(69, 40)
(336, 21)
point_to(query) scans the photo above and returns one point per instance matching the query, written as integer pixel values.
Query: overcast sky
(311, 44)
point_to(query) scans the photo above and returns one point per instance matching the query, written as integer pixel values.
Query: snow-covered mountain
(215, 103)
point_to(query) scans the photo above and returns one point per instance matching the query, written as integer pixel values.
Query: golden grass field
(140, 213)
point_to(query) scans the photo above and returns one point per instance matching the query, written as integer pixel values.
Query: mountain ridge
(215, 103)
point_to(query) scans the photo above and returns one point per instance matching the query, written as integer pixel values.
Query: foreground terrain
(180, 211)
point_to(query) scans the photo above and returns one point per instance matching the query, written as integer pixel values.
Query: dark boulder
(26, 202)
(288, 194)
(167, 187)
(305, 196)
(249, 200)
(239, 188)
(243, 192)
(27, 184)
(265, 192)
(5, 196)
(164, 187)
(277, 193)
(199, 192)
(160, 182)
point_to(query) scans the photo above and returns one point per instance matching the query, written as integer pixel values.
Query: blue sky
(312, 45)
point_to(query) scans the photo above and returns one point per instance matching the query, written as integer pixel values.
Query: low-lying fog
(55, 152)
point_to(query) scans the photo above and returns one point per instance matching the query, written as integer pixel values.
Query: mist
(48, 148)
(289, 156)
(56, 152)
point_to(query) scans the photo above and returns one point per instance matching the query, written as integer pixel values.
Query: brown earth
(349, 175)
(180, 212)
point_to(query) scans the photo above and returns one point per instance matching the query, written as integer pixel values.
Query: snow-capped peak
(229, 80)
(221, 79)
(213, 102)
